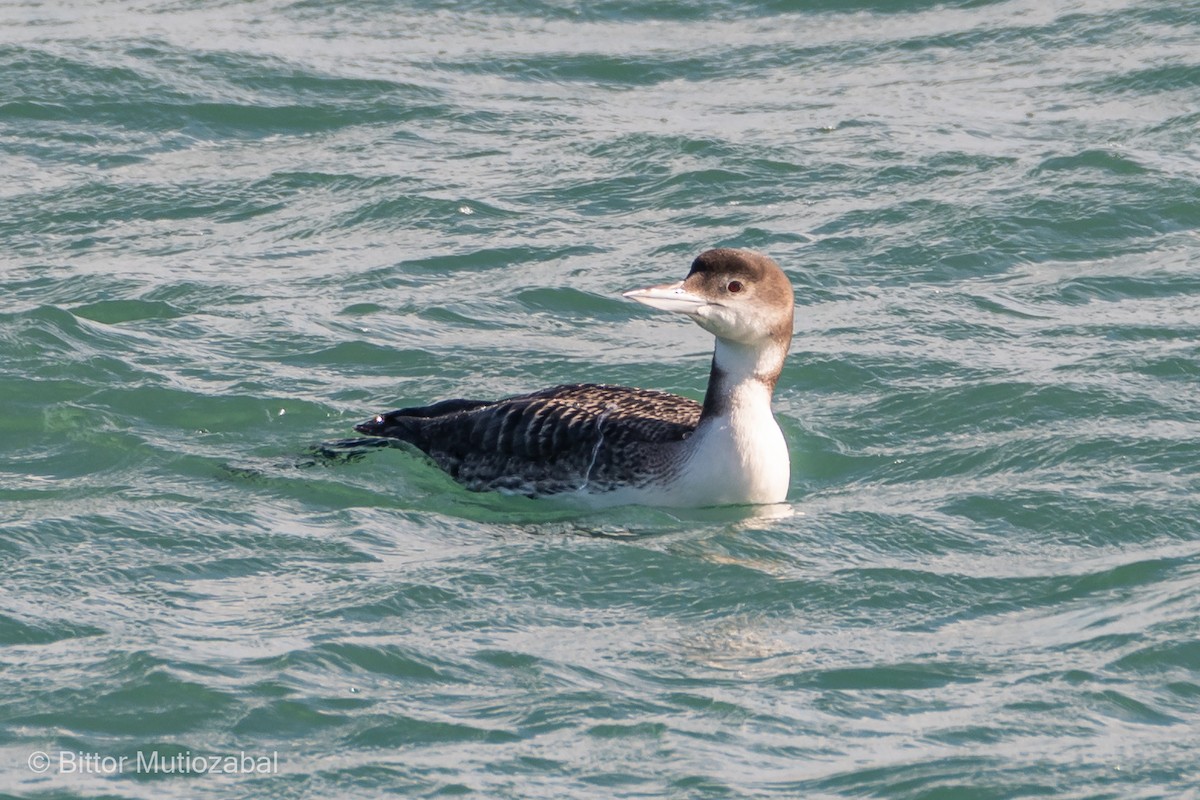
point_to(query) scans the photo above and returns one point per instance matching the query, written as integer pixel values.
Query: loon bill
(615, 445)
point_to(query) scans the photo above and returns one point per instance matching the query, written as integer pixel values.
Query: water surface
(229, 231)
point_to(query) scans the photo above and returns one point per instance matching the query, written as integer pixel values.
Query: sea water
(229, 231)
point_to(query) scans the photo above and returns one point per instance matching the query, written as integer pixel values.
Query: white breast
(736, 458)
(740, 457)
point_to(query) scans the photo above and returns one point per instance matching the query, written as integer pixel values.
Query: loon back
(579, 437)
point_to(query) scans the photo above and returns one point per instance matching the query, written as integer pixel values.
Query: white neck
(741, 374)
(738, 446)
(740, 362)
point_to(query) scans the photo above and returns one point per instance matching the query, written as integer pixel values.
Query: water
(231, 230)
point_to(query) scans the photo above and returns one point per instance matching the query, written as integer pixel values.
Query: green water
(230, 231)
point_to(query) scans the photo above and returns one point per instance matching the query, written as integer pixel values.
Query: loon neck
(742, 375)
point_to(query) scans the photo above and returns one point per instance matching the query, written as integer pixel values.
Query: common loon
(614, 445)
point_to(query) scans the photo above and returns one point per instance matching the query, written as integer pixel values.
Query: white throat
(744, 363)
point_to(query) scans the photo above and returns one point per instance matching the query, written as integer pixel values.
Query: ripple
(231, 231)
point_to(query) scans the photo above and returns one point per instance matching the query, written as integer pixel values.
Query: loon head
(736, 295)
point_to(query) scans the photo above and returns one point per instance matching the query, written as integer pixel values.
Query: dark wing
(555, 440)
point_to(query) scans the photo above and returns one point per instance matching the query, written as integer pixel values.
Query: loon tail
(410, 424)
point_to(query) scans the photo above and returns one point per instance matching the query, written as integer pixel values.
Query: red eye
(735, 286)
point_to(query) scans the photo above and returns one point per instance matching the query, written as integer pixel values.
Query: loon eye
(735, 286)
